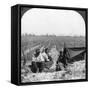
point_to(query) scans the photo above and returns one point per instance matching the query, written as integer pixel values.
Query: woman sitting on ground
(34, 67)
(47, 53)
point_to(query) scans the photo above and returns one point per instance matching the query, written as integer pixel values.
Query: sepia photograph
(53, 44)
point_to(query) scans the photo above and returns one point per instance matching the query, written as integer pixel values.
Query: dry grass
(75, 70)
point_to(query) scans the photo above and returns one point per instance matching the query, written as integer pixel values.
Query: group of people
(39, 58)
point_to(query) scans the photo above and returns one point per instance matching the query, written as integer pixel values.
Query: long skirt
(34, 67)
(40, 66)
(37, 67)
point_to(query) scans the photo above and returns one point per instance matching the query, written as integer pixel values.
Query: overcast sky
(50, 21)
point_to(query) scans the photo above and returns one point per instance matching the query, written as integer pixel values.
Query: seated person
(47, 53)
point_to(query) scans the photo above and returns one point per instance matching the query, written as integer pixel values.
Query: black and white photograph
(44, 44)
(53, 45)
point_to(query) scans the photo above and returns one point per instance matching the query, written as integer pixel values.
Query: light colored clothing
(34, 59)
(45, 56)
(40, 58)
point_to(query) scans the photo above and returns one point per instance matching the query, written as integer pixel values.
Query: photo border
(19, 43)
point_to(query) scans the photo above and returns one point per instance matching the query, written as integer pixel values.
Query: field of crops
(71, 41)
(30, 42)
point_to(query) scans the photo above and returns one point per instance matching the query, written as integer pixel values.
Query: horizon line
(49, 35)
